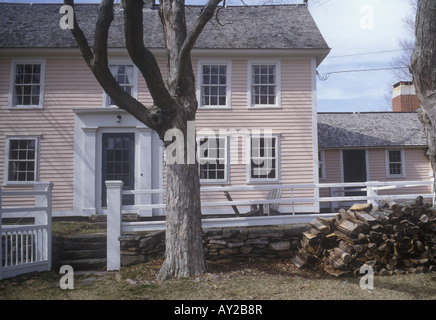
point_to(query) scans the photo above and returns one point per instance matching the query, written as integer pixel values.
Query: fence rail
(115, 208)
(26, 247)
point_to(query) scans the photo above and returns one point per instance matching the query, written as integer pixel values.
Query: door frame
(132, 162)
(341, 158)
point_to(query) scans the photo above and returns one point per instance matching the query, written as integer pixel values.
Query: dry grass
(233, 280)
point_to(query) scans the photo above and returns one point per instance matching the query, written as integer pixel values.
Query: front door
(118, 163)
(354, 162)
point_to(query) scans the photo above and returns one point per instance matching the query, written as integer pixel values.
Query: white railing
(116, 226)
(26, 247)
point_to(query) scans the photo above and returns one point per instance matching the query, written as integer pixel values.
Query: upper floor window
(126, 76)
(21, 159)
(214, 87)
(395, 163)
(264, 85)
(27, 82)
(264, 158)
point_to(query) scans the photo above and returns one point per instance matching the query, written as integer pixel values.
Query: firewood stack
(393, 238)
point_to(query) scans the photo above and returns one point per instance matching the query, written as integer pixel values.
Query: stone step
(83, 254)
(87, 238)
(84, 264)
(74, 245)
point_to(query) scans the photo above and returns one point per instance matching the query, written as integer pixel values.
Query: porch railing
(115, 208)
(26, 247)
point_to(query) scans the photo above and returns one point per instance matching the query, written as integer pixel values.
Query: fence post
(371, 191)
(1, 236)
(114, 207)
(45, 252)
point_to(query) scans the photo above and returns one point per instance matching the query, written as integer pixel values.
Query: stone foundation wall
(219, 243)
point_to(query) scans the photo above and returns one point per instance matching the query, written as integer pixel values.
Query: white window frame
(226, 157)
(134, 86)
(228, 65)
(403, 164)
(251, 104)
(6, 180)
(321, 164)
(276, 137)
(16, 62)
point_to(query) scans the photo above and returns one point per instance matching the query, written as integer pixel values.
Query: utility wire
(325, 76)
(362, 54)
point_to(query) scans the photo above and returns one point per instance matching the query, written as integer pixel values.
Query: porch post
(114, 209)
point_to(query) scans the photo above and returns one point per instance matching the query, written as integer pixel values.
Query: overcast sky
(363, 35)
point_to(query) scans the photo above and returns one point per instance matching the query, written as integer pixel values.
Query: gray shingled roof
(378, 129)
(279, 27)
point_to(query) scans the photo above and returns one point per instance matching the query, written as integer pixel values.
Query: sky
(362, 35)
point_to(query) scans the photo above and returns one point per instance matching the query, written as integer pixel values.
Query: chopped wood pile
(393, 238)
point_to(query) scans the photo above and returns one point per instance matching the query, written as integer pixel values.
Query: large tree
(423, 68)
(174, 104)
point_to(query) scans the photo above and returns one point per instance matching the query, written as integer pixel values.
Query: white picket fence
(115, 225)
(26, 248)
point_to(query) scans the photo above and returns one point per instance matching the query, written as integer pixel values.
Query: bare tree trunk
(423, 67)
(184, 256)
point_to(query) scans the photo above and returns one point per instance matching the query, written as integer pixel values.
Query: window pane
(22, 157)
(212, 158)
(263, 158)
(213, 87)
(26, 88)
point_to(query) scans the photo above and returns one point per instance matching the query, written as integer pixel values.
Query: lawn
(230, 280)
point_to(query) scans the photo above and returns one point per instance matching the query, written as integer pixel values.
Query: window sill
(26, 107)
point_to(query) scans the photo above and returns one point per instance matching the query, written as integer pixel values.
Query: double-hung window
(21, 159)
(395, 163)
(213, 159)
(264, 158)
(214, 85)
(127, 77)
(27, 84)
(264, 85)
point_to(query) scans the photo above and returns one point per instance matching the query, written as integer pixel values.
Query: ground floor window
(264, 158)
(22, 159)
(212, 157)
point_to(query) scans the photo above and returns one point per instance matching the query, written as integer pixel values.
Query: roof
(373, 129)
(278, 27)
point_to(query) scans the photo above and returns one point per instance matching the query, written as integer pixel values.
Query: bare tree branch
(144, 59)
(97, 61)
(205, 16)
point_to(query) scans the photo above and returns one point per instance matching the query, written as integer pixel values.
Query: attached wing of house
(374, 146)
(256, 74)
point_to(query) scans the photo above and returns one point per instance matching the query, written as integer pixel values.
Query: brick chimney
(404, 98)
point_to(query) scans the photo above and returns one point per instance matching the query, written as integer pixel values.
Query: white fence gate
(26, 247)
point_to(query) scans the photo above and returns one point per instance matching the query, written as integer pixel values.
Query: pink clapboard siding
(292, 122)
(69, 84)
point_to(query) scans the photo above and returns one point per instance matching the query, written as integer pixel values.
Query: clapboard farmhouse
(256, 71)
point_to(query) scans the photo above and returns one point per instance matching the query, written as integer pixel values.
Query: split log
(319, 225)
